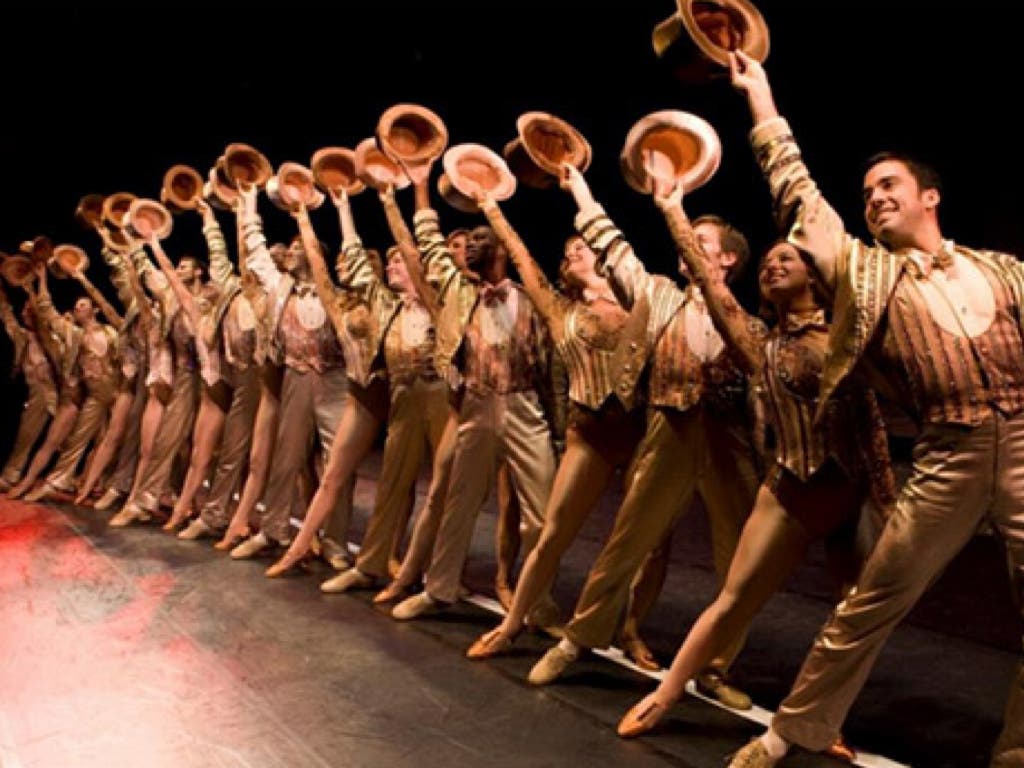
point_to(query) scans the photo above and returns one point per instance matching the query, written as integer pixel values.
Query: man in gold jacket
(936, 327)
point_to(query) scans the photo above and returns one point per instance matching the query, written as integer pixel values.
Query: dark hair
(820, 293)
(204, 270)
(731, 240)
(927, 177)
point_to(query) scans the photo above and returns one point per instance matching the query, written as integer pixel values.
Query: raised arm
(545, 298)
(326, 290)
(112, 315)
(615, 257)
(410, 253)
(46, 314)
(257, 255)
(17, 334)
(222, 271)
(741, 332)
(814, 227)
(181, 293)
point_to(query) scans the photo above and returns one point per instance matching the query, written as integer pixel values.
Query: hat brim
(246, 165)
(717, 28)
(473, 166)
(410, 133)
(182, 188)
(334, 170)
(684, 148)
(375, 169)
(148, 219)
(550, 141)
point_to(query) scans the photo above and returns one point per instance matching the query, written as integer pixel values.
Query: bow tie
(492, 295)
(942, 260)
(305, 289)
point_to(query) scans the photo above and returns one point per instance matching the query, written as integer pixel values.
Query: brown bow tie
(942, 260)
(494, 294)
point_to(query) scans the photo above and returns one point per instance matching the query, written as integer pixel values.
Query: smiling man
(937, 327)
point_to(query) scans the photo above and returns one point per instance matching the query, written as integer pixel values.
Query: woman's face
(783, 275)
(580, 261)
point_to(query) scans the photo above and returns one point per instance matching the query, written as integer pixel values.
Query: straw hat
(182, 188)
(89, 212)
(695, 41)
(219, 189)
(543, 144)
(246, 166)
(17, 270)
(681, 146)
(334, 169)
(293, 185)
(377, 170)
(472, 166)
(409, 133)
(148, 219)
(67, 259)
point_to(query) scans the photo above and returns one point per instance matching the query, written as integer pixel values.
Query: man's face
(83, 311)
(398, 273)
(279, 253)
(295, 259)
(481, 246)
(710, 238)
(188, 270)
(457, 246)
(895, 206)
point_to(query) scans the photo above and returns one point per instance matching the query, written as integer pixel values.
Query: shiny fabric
(492, 428)
(236, 441)
(960, 477)
(311, 404)
(682, 453)
(416, 423)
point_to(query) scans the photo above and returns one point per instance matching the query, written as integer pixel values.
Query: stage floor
(128, 647)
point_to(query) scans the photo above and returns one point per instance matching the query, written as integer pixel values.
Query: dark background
(103, 99)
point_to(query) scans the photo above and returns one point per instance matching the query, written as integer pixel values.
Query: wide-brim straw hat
(681, 145)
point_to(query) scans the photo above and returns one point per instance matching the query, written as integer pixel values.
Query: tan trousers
(681, 454)
(492, 428)
(416, 423)
(424, 531)
(39, 407)
(960, 475)
(596, 444)
(175, 428)
(235, 443)
(92, 418)
(311, 405)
